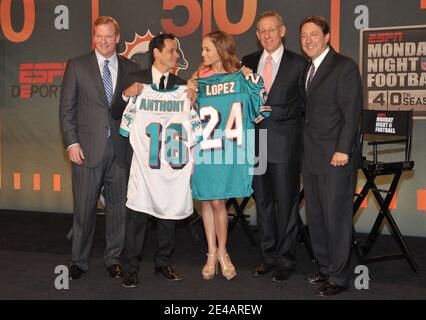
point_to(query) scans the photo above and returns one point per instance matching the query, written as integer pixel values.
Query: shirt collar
(101, 59)
(276, 55)
(156, 75)
(320, 59)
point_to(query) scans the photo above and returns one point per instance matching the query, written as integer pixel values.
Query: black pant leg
(266, 219)
(286, 187)
(136, 227)
(166, 242)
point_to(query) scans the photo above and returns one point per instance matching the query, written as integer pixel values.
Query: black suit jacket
(142, 76)
(333, 111)
(285, 98)
(84, 112)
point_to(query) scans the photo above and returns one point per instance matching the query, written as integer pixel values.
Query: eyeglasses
(268, 31)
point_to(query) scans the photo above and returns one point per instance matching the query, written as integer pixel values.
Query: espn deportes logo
(384, 37)
(38, 80)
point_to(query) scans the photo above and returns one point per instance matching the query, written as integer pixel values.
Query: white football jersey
(162, 127)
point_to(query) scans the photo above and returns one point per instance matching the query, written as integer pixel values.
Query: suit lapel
(256, 60)
(282, 70)
(322, 71)
(144, 76)
(98, 78)
(119, 83)
(171, 81)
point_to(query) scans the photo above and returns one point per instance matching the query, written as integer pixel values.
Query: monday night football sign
(393, 62)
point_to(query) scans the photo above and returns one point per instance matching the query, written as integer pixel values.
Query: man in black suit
(277, 190)
(331, 135)
(163, 51)
(90, 85)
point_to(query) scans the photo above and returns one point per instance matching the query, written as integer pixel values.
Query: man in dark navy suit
(331, 134)
(164, 53)
(277, 190)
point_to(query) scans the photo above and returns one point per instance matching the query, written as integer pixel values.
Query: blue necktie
(107, 80)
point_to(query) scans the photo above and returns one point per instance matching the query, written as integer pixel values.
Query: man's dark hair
(158, 43)
(319, 21)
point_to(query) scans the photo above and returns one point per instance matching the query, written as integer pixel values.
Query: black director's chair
(384, 128)
(240, 217)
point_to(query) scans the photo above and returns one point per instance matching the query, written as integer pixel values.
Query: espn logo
(384, 37)
(37, 79)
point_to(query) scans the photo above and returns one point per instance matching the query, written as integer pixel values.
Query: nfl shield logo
(423, 62)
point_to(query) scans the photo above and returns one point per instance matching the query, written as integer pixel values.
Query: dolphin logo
(137, 50)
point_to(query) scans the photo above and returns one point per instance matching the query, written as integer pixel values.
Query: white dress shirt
(156, 76)
(112, 65)
(276, 60)
(317, 63)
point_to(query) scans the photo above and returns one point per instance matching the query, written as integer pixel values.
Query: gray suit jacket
(84, 112)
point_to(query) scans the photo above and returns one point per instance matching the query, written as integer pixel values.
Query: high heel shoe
(209, 270)
(228, 269)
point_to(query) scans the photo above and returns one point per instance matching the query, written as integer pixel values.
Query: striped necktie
(310, 77)
(107, 80)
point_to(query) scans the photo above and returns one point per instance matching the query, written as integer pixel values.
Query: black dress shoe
(115, 271)
(168, 273)
(75, 272)
(130, 279)
(281, 274)
(316, 278)
(262, 269)
(330, 289)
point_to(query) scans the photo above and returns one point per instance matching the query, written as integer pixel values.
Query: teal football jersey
(229, 105)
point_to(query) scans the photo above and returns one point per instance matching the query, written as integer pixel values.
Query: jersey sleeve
(196, 127)
(257, 93)
(128, 118)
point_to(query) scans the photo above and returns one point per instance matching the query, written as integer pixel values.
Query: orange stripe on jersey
(258, 119)
(265, 108)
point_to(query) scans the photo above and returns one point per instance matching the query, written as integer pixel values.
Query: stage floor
(33, 244)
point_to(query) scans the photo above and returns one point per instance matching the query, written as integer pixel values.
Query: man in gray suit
(98, 153)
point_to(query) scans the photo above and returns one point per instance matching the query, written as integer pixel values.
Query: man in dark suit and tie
(90, 85)
(277, 190)
(163, 52)
(331, 135)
